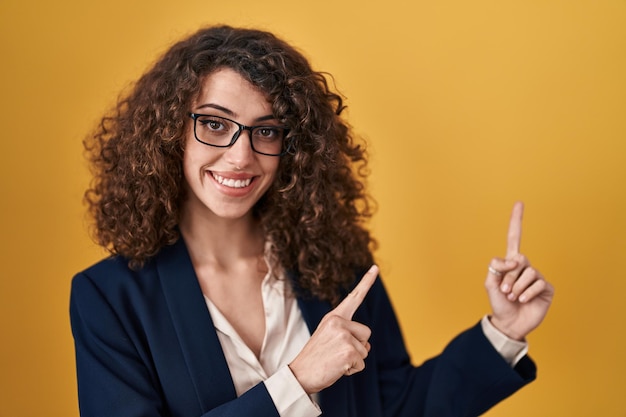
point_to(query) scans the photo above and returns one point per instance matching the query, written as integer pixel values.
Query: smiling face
(227, 182)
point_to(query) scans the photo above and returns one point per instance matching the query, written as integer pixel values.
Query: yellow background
(467, 107)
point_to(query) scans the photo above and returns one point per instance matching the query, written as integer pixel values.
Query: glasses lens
(215, 130)
(268, 139)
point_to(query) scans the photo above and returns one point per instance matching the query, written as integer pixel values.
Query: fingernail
(511, 297)
(505, 288)
(522, 298)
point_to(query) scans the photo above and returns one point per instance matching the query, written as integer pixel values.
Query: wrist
(298, 376)
(506, 328)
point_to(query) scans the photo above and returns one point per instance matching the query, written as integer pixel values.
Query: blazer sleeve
(466, 379)
(116, 374)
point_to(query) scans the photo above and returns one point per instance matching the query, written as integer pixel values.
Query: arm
(466, 379)
(470, 375)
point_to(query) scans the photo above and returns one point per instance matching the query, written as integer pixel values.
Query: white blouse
(286, 334)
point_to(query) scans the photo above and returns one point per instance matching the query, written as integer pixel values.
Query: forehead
(228, 89)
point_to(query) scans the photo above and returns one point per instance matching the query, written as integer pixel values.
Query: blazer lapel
(195, 330)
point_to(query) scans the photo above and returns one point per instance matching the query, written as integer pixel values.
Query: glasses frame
(287, 142)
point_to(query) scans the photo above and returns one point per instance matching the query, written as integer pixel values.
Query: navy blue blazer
(146, 347)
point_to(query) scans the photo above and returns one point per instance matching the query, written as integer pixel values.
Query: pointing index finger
(515, 230)
(353, 300)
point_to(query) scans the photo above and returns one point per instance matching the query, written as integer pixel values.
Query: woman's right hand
(338, 346)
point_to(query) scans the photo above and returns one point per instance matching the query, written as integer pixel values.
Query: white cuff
(511, 350)
(288, 395)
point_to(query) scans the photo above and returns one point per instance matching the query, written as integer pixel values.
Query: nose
(240, 154)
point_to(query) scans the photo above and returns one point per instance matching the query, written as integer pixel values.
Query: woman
(230, 193)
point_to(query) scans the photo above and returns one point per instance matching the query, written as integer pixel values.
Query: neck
(222, 242)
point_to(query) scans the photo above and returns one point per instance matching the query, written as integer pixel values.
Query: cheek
(196, 156)
(187, 167)
(188, 152)
(271, 169)
(188, 158)
(193, 167)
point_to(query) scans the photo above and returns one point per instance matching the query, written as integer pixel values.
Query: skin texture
(221, 95)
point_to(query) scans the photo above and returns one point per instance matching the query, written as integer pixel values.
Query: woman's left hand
(519, 295)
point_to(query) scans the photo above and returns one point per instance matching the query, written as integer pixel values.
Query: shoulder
(109, 299)
(112, 279)
(110, 271)
(116, 270)
(112, 265)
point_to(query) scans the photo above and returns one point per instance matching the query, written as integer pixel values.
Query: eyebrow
(232, 113)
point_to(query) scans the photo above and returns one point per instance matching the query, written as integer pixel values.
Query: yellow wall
(467, 106)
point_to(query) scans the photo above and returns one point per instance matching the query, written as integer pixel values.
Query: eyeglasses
(223, 133)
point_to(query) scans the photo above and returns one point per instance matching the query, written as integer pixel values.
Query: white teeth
(229, 182)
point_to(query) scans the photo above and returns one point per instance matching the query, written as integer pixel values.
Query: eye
(268, 133)
(213, 124)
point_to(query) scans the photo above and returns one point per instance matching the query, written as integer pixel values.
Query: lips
(232, 182)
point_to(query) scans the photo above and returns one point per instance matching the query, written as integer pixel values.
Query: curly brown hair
(314, 214)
